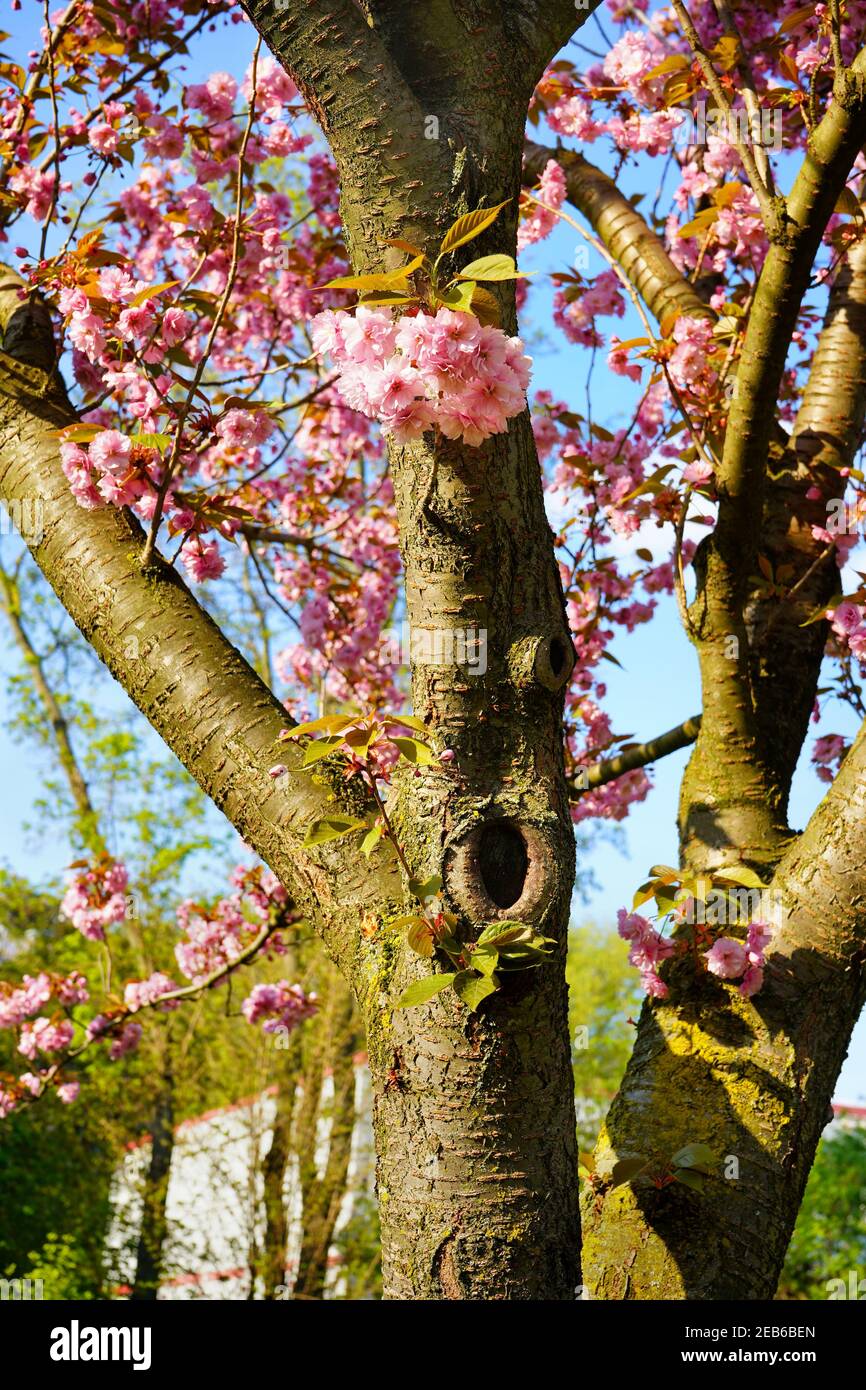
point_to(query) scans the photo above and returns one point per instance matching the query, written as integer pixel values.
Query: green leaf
(497, 267)
(414, 751)
(404, 721)
(690, 1179)
(81, 434)
(473, 988)
(505, 932)
(320, 748)
(331, 828)
(385, 280)
(151, 292)
(333, 723)
(420, 938)
(626, 1170)
(747, 877)
(425, 888)
(371, 840)
(372, 301)
(517, 945)
(698, 1156)
(651, 484)
(422, 990)
(521, 958)
(485, 959)
(458, 297)
(674, 63)
(160, 442)
(403, 246)
(485, 307)
(700, 223)
(469, 226)
(666, 901)
(665, 873)
(406, 920)
(586, 1164)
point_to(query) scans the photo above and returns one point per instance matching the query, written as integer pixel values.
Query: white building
(215, 1207)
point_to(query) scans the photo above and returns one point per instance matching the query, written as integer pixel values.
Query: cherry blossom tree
(289, 309)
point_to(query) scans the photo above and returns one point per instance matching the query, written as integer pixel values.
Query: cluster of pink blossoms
(43, 1035)
(727, 958)
(848, 623)
(125, 1037)
(540, 221)
(95, 899)
(730, 959)
(828, 750)
(139, 993)
(648, 949)
(282, 1005)
(413, 373)
(214, 938)
(18, 1005)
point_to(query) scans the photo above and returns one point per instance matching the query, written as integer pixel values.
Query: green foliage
(63, 1267)
(830, 1235)
(602, 994)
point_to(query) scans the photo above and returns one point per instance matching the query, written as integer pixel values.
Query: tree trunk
(154, 1227)
(323, 1196)
(473, 1114)
(273, 1268)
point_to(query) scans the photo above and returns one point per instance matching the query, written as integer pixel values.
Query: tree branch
(786, 650)
(639, 755)
(750, 98)
(752, 1078)
(622, 229)
(752, 821)
(771, 208)
(10, 601)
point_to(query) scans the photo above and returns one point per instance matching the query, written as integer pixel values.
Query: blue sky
(656, 687)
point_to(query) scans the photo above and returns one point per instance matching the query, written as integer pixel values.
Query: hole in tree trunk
(557, 656)
(502, 862)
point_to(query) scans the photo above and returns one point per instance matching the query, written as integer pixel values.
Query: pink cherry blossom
(282, 1005)
(726, 958)
(202, 560)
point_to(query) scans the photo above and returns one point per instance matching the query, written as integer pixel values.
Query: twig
(150, 544)
(774, 216)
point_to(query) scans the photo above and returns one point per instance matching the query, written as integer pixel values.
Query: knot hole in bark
(553, 661)
(547, 660)
(501, 869)
(502, 862)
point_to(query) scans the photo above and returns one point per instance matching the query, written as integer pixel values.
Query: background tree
(829, 1238)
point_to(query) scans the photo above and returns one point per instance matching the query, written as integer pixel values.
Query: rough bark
(732, 804)
(475, 1137)
(753, 1079)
